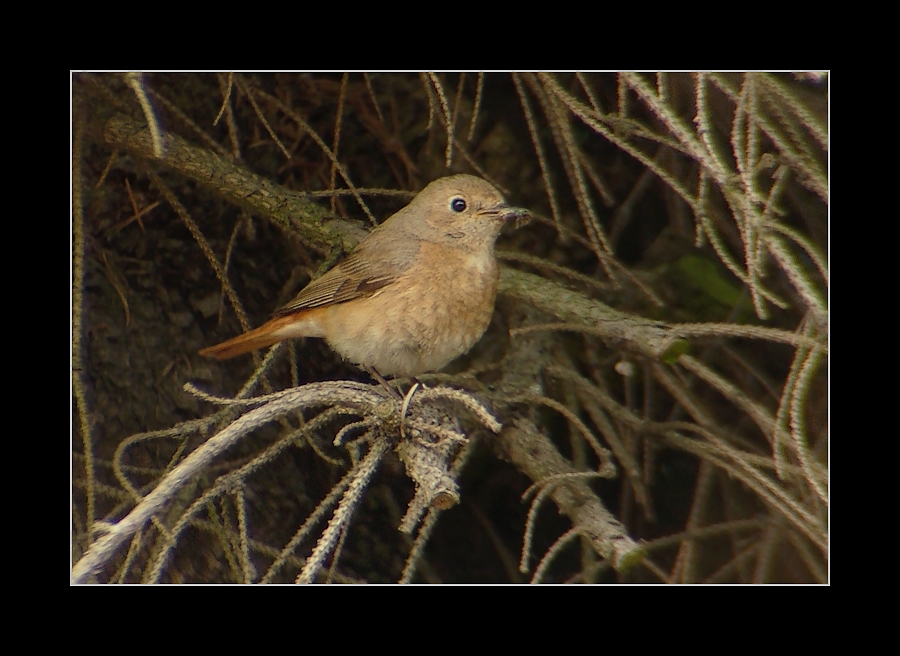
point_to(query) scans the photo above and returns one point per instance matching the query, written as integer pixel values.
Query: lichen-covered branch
(523, 444)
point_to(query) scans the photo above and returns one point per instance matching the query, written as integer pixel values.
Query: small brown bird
(416, 293)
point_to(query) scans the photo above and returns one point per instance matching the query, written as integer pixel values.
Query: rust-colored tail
(267, 334)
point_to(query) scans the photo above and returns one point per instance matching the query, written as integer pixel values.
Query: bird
(413, 295)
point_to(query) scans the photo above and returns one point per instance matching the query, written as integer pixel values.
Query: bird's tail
(271, 332)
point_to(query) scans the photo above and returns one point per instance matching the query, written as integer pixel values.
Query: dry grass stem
(345, 509)
(539, 151)
(325, 149)
(136, 82)
(78, 368)
(552, 552)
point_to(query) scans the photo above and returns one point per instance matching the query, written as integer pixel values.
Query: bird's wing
(372, 266)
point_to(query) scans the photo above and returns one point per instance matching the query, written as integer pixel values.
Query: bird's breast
(435, 312)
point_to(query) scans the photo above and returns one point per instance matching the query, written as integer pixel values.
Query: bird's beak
(506, 213)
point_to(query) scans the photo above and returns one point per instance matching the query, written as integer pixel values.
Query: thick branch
(536, 456)
(651, 338)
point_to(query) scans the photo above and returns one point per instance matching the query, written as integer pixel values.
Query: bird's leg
(393, 392)
(386, 385)
(405, 407)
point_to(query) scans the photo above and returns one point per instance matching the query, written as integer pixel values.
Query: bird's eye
(458, 204)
